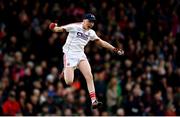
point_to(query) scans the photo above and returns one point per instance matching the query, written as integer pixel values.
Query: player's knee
(68, 81)
(68, 77)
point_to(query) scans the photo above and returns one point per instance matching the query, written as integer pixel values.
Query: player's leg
(69, 75)
(68, 70)
(85, 68)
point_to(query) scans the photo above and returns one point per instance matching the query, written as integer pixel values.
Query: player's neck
(85, 27)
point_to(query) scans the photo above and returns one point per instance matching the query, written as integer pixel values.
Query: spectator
(113, 95)
(11, 106)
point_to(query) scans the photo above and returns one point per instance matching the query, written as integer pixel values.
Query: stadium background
(145, 81)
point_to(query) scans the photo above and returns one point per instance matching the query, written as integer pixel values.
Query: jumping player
(74, 57)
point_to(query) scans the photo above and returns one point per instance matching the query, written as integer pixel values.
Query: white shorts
(73, 59)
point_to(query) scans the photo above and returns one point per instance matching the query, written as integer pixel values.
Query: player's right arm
(65, 28)
(55, 28)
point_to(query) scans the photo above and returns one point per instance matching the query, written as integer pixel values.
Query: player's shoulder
(92, 31)
(76, 24)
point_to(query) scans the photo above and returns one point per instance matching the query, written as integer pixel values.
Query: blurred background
(145, 81)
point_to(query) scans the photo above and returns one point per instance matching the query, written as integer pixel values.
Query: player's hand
(52, 26)
(118, 51)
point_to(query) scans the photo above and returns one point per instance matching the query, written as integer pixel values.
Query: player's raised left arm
(105, 44)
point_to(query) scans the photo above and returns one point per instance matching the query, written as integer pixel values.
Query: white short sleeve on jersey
(68, 27)
(93, 36)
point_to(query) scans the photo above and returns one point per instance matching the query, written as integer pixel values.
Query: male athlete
(74, 57)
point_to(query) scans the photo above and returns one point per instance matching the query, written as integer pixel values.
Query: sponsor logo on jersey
(82, 36)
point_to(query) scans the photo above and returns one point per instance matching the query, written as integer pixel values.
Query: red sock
(92, 96)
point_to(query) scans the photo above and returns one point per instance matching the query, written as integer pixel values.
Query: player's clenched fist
(118, 51)
(52, 26)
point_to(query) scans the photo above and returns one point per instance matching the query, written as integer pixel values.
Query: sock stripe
(92, 95)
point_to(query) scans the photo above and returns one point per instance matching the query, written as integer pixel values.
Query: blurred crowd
(145, 81)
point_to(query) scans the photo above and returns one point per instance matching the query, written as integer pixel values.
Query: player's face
(87, 24)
